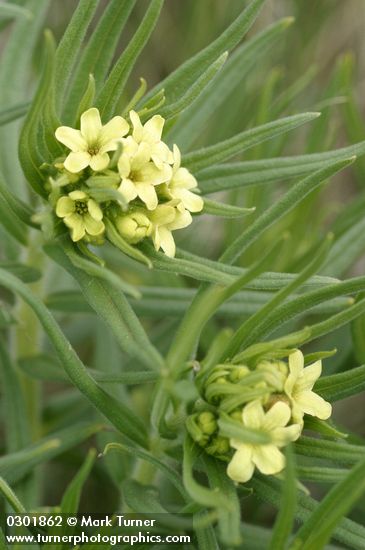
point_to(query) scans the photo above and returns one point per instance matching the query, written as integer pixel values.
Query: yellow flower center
(81, 208)
(94, 150)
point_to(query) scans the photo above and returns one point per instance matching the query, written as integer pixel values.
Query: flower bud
(219, 447)
(134, 226)
(207, 422)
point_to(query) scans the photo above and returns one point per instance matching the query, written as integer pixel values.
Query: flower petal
(277, 417)
(309, 376)
(241, 467)
(182, 219)
(137, 126)
(116, 128)
(94, 210)
(147, 194)
(65, 206)
(75, 162)
(124, 166)
(77, 195)
(141, 157)
(90, 125)
(167, 242)
(92, 226)
(149, 173)
(253, 415)
(296, 363)
(128, 190)
(183, 178)
(152, 130)
(71, 138)
(191, 201)
(76, 223)
(282, 436)
(268, 459)
(163, 215)
(99, 162)
(313, 404)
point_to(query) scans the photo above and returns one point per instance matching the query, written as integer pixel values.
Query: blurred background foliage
(317, 64)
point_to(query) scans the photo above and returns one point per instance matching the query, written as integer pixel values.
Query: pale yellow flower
(150, 135)
(267, 458)
(139, 174)
(180, 184)
(298, 387)
(134, 226)
(165, 219)
(90, 145)
(81, 214)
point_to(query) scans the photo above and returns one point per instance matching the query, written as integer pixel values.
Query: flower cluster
(266, 405)
(123, 178)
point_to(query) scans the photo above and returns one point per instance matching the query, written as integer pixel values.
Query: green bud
(219, 447)
(236, 415)
(207, 422)
(237, 373)
(134, 226)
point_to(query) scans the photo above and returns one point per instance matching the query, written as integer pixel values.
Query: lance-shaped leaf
(239, 64)
(7, 114)
(285, 518)
(341, 385)
(180, 80)
(225, 210)
(117, 413)
(257, 172)
(284, 205)
(244, 140)
(110, 94)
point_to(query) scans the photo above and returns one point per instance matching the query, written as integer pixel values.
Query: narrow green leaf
(110, 94)
(285, 518)
(268, 489)
(98, 53)
(17, 430)
(11, 223)
(118, 414)
(29, 155)
(238, 66)
(13, 11)
(180, 80)
(11, 497)
(195, 90)
(225, 210)
(15, 466)
(241, 335)
(257, 172)
(25, 273)
(20, 209)
(69, 47)
(71, 498)
(244, 140)
(8, 114)
(318, 528)
(342, 385)
(346, 250)
(343, 453)
(171, 474)
(235, 430)
(318, 474)
(284, 205)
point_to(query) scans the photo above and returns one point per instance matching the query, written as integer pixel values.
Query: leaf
(8, 114)
(15, 466)
(285, 517)
(110, 94)
(114, 310)
(257, 172)
(171, 474)
(244, 140)
(242, 335)
(225, 210)
(318, 474)
(229, 518)
(180, 80)
(97, 271)
(71, 498)
(20, 209)
(119, 415)
(11, 497)
(29, 155)
(346, 249)
(343, 453)
(318, 528)
(238, 66)
(284, 205)
(13, 11)
(342, 385)
(235, 430)
(26, 273)
(98, 53)
(45, 367)
(11, 223)
(269, 490)
(17, 429)
(69, 47)
(195, 90)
